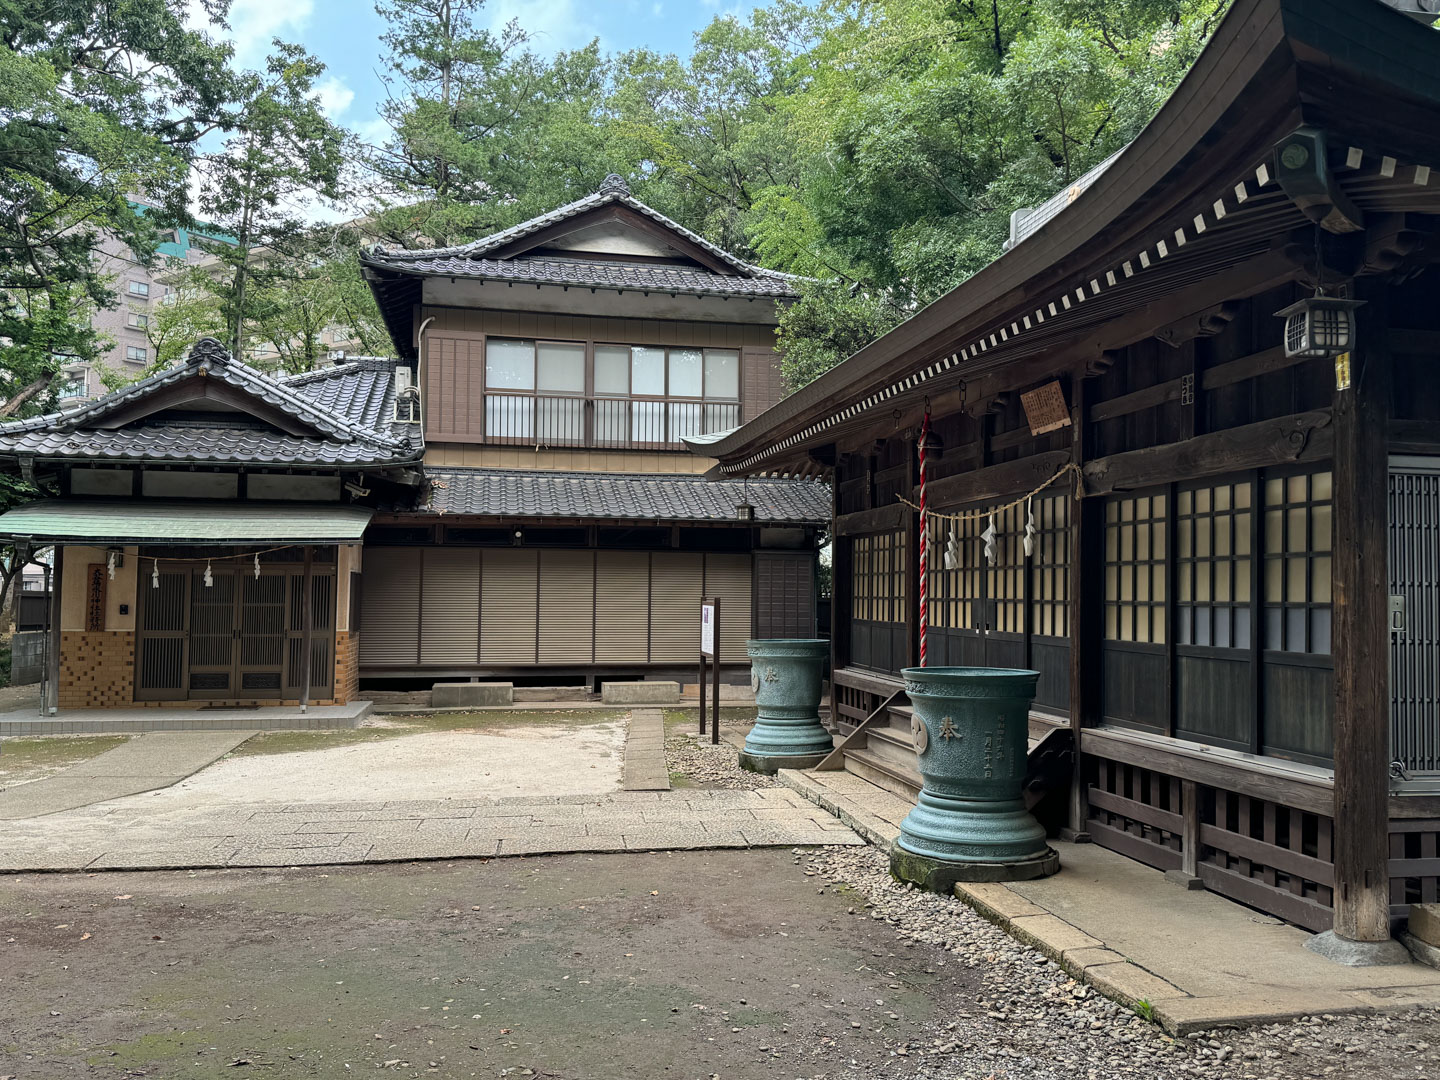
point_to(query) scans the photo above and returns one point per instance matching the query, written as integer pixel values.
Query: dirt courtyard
(682, 965)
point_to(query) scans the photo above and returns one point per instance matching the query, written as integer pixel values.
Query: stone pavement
(258, 834)
(1199, 960)
(187, 718)
(645, 768)
(146, 762)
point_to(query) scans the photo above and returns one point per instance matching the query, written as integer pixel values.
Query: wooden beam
(1288, 439)
(880, 519)
(1362, 636)
(1009, 478)
(1414, 436)
(1084, 606)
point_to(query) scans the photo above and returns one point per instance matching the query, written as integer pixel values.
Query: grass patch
(397, 726)
(740, 714)
(680, 780)
(25, 758)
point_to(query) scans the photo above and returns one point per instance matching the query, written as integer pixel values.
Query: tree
(100, 101)
(281, 149)
(189, 311)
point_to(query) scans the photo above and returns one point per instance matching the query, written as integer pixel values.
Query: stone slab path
(177, 718)
(1199, 960)
(146, 762)
(116, 838)
(645, 768)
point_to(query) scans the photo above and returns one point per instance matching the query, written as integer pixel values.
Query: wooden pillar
(1362, 636)
(913, 540)
(1084, 615)
(52, 689)
(839, 593)
(307, 626)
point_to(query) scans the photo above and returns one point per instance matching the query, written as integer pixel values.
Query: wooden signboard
(95, 578)
(1045, 408)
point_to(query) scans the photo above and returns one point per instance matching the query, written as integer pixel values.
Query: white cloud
(554, 25)
(254, 23)
(334, 96)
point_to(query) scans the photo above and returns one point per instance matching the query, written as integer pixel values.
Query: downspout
(420, 358)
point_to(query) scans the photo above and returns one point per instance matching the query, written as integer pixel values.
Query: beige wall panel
(509, 597)
(457, 455)
(390, 606)
(567, 607)
(729, 578)
(450, 606)
(676, 582)
(622, 606)
(121, 590)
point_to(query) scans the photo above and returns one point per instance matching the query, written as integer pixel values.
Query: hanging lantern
(1319, 326)
(744, 511)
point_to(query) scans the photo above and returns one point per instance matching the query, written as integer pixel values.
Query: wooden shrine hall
(1229, 335)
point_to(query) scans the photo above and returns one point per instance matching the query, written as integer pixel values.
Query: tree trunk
(25, 393)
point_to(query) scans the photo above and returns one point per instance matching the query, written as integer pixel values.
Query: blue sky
(345, 35)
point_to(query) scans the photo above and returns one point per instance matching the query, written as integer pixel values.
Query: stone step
(893, 746)
(900, 781)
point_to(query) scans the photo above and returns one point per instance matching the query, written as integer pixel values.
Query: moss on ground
(288, 742)
(24, 758)
(742, 714)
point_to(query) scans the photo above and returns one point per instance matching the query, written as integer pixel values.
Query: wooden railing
(523, 418)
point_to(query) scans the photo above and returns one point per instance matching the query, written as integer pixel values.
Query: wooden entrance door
(238, 638)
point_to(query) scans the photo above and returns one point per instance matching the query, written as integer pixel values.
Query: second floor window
(139, 288)
(641, 395)
(137, 319)
(135, 354)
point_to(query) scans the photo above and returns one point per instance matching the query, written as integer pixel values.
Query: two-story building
(510, 499)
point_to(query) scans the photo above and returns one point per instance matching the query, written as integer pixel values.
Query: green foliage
(828, 323)
(100, 100)
(280, 148)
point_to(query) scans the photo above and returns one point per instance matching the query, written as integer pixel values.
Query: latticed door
(160, 667)
(212, 636)
(260, 662)
(1415, 622)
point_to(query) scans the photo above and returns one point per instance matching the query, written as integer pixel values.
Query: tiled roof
(601, 274)
(517, 493)
(469, 260)
(349, 407)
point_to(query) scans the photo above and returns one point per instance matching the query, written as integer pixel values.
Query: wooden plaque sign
(1045, 408)
(95, 579)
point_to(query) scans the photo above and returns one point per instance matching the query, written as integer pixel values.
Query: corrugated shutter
(728, 577)
(762, 385)
(390, 607)
(676, 580)
(785, 587)
(622, 606)
(450, 608)
(567, 607)
(509, 593)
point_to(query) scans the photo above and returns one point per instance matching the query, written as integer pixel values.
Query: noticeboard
(707, 629)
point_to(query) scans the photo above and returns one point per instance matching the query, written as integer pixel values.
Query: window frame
(142, 290)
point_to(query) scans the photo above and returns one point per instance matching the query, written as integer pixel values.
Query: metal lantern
(745, 511)
(1319, 326)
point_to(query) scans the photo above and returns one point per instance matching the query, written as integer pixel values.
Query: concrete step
(900, 781)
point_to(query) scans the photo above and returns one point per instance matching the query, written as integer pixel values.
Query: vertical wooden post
(1189, 873)
(57, 589)
(701, 684)
(307, 627)
(1362, 636)
(1083, 618)
(715, 669)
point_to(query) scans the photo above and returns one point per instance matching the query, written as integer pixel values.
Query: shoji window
(1297, 563)
(1050, 567)
(1213, 526)
(1135, 540)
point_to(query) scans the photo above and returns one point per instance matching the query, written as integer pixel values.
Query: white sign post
(709, 620)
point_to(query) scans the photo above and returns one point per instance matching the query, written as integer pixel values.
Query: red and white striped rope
(924, 540)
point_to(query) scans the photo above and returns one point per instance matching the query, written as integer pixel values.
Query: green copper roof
(132, 522)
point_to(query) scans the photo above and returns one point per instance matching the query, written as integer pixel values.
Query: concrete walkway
(144, 763)
(126, 838)
(645, 768)
(127, 721)
(1198, 960)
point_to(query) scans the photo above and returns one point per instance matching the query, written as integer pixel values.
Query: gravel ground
(1032, 1021)
(707, 765)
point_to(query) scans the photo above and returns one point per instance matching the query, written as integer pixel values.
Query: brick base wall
(347, 666)
(97, 669)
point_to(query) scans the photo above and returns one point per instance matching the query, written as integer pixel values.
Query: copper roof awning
(53, 521)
